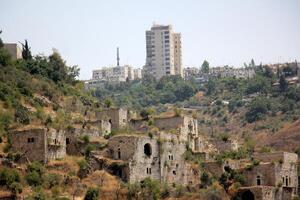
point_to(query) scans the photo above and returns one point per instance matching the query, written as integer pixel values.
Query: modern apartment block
(114, 74)
(163, 52)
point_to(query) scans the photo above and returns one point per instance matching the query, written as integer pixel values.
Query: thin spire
(118, 58)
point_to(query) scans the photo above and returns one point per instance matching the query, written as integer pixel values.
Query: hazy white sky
(87, 32)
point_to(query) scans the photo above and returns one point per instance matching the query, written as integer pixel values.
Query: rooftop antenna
(118, 58)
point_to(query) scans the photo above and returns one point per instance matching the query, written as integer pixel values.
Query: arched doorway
(248, 195)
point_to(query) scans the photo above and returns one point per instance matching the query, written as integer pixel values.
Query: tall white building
(163, 52)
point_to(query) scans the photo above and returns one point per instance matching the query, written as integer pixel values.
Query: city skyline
(88, 33)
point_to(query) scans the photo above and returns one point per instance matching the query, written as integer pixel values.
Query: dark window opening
(119, 153)
(174, 172)
(258, 181)
(286, 181)
(30, 140)
(147, 149)
(67, 140)
(148, 170)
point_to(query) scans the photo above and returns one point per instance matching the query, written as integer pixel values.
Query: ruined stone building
(185, 126)
(278, 170)
(116, 116)
(158, 157)
(274, 178)
(39, 144)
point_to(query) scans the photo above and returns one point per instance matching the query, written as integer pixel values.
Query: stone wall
(285, 168)
(116, 116)
(257, 192)
(30, 142)
(141, 152)
(262, 174)
(56, 143)
(158, 158)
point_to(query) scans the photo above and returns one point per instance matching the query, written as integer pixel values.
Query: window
(174, 172)
(147, 149)
(30, 140)
(148, 170)
(286, 181)
(258, 180)
(67, 140)
(119, 153)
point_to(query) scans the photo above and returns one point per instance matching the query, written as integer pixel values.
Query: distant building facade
(114, 74)
(163, 52)
(14, 50)
(199, 76)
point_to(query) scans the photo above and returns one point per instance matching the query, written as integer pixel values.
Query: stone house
(278, 169)
(39, 144)
(274, 178)
(185, 126)
(118, 117)
(158, 157)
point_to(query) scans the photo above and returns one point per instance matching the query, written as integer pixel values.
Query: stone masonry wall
(56, 143)
(32, 143)
(116, 116)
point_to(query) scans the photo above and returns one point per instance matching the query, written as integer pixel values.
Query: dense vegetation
(29, 87)
(148, 92)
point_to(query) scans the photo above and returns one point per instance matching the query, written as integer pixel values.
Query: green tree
(211, 87)
(205, 67)
(108, 102)
(258, 108)
(26, 53)
(283, 84)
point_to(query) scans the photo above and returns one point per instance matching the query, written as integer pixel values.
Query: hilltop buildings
(163, 52)
(198, 75)
(115, 74)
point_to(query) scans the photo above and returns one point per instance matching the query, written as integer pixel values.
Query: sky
(87, 32)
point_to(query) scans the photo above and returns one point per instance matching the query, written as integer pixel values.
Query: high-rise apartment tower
(163, 52)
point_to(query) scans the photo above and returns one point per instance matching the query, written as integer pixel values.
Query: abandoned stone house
(221, 146)
(39, 144)
(275, 177)
(158, 157)
(185, 126)
(118, 117)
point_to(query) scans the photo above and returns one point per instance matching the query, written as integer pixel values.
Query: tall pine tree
(26, 53)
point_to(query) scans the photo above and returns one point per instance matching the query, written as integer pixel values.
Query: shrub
(91, 194)
(16, 188)
(88, 149)
(36, 167)
(205, 179)
(150, 189)
(8, 176)
(34, 178)
(22, 115)
(52, 180)
(82, 164)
